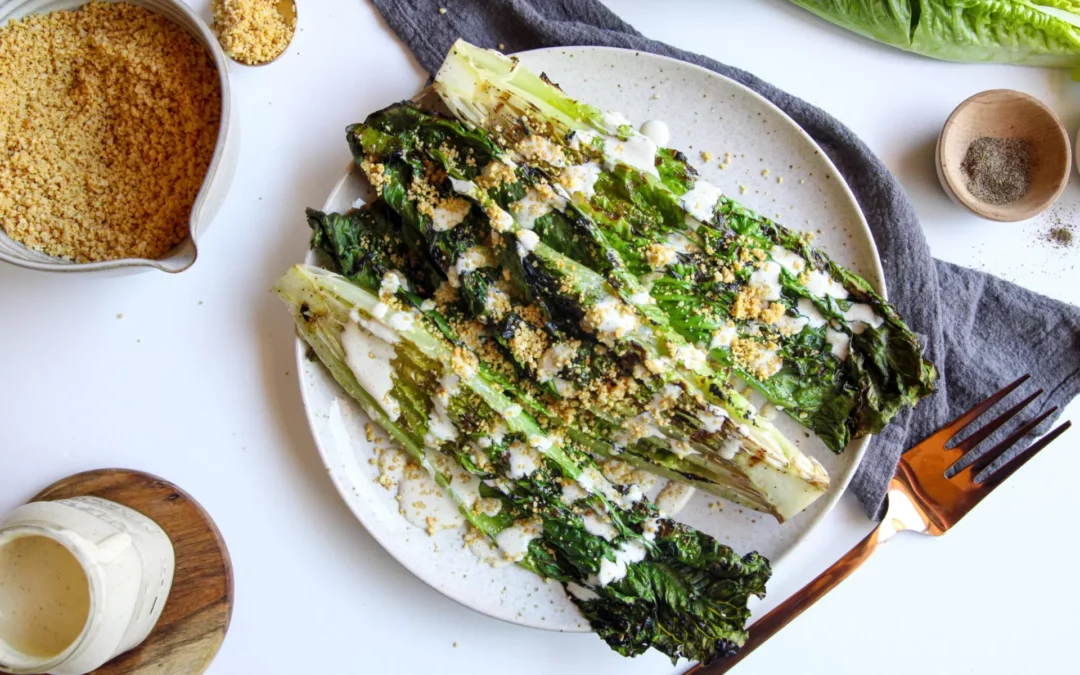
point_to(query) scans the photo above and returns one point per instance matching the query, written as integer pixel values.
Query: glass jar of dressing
(81, 580)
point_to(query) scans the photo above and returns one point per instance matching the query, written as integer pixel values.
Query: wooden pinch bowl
(1005, 113)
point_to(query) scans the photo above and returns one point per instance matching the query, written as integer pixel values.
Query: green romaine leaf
(1025, 32)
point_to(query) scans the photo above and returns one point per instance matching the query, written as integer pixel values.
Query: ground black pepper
(997, 170)
(1061, 236)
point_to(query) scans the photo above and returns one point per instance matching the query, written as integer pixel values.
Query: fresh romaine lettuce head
(1025, 32)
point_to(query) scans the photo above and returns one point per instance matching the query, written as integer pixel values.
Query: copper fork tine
(988, 457)
(979, 436)
(954, 427)
(1002, 473)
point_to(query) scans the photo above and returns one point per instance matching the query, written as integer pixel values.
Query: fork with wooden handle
(921, 498)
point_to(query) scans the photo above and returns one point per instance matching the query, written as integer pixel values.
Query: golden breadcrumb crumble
(252, 31)
(108, 120)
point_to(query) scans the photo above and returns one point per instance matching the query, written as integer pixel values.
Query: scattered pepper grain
(103, 155)
(253, 32)
(1061, 235)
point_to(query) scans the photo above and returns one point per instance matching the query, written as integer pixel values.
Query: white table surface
(196, 383)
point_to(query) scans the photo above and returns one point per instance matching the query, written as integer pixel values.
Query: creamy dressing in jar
(44, 596)
(82, 580)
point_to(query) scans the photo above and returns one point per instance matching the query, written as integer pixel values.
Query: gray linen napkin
(980, 331)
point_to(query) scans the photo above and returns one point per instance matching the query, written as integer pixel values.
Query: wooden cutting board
(196, 615)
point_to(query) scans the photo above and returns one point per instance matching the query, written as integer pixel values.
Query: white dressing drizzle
(861, 315)
(614, 119)
(821, 284)
(700, 202)
(649, 528)
(637, 151)
(524, 460)
(839, 342)
(792, 325)
(767, 277)
(612, 571)
(572, 492)
(565, 388)
(424, 504)
(539, 149)
(633, 495)
(642, 297)
(581, 178)
(673, 497)
(621, 473)
(527, 241)
(462, 187)
(808, 309)
(611, 319)
(391, 463)
(391, 283)
(472, 260)
(723, 336)
(730, 449)
(495, 298)
(792, 262)
(480, 547)
(440, 427)
(514, 541)
(449, 214)
(690, 357)
(399, 321)
(555, 358)
(597, 526)
(678, 242)
(462, 483)
(636, 428)
(657, 131)
(581, 592)
(712, 420)
(533, 205)
(369, 360)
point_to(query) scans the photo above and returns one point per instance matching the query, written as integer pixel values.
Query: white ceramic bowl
(218, 176)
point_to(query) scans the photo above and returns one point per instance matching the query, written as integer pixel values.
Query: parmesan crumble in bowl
(147, 175)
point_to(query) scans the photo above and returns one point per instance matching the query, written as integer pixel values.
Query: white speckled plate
(775, 168)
